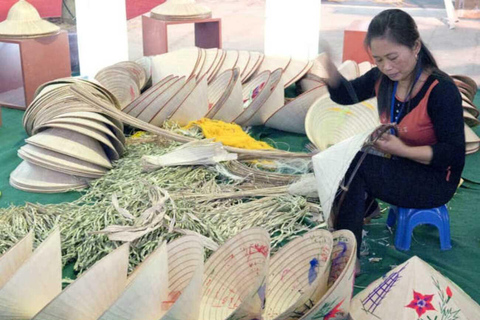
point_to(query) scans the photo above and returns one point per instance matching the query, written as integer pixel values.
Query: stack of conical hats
(71, 142)
(23, 21)
(180, 10)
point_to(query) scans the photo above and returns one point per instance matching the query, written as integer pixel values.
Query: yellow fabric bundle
(230, 134)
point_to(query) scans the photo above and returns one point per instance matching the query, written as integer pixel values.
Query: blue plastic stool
(408, 219)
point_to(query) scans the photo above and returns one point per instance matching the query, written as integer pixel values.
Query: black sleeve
(361, 88)
(445, 109)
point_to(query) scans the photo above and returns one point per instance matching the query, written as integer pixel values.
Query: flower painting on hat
(421, 303)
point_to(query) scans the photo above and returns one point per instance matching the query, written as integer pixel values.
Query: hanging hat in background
(178, 10)
(23, 21)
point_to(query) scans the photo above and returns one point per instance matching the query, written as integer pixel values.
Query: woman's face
(394, 60)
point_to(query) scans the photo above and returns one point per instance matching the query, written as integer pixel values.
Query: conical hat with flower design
(413, 290)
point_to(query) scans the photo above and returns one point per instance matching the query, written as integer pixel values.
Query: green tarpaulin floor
(461, 264)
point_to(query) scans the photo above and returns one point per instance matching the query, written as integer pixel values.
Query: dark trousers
(400, 182)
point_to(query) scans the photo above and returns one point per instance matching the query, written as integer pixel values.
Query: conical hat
(331, 165)
(336, 301)
(413, 290)
(195, 105)
(253, 57)
(153, 104)
(179, 63)
(465, 91)
(220, 89)
(216, 65)
(185, 275)
(471, 84)
(254, 96)
(236, 277)
(121, 83)
(472, 141)
(275, 100)
(327, 122)
(147, 285)
(179, 10)
(72, 144)
(256, 59)
(271, 63)
(136, 70)
(173, 102)
(243, 59)
(140, 100)
(349, 69)
(23, 21)
(33, 178)
(200, 64)
(318, 71)
(470, 108)
(230, 62)
(307, 84)
(36, 282)
(233, 106)
(146, 63)
(298, 275)
(11, 260)
(469, 119)
(60, 162)
(291, 117)
(210, 59)
(93, 292)
(295, 71)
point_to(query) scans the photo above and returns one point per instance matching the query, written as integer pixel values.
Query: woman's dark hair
(399, 27)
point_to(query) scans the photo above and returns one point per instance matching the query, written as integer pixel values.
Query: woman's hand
(391, 144)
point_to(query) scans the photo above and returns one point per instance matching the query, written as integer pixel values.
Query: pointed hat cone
(11, 260)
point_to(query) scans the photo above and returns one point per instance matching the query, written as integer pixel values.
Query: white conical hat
(194, 106)
(140, 101)
(230, 62)
(327, 122)
(220, 90)
(233, 105)
(349, 69)
(295, 71)
(33, 178)
(147, 285)
(307, 84)
(236, 277)
(291, 117)
(271, 63)
(335, 303)
(35, 283)
(364, 67)
(210, 59)
(331, 165)
(256, 59)
(23, 20)
(121, 82)
(318, 71)
(216, 65)
(175, 10)
(243, 59)
(413, 290)
(182, 62)
(472, 141)
(298, 274)
(469, 119)
(93, 292)
(154, 104)
(185, 277)
(11, 260)
(275, 100)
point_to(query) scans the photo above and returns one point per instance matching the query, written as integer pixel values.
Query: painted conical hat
(147, 285)
(472, 141)
(173, 102)
(179, 63)
(327, 122)
(291, 117)
(275, 100)
(331, 165)
(233, 106)
(335, 303)
(23, 20)
(93, 292)
(175, 10)
(36, 282)
(155, 102)
(185, 275)
(60, 162)
(220, 89)
(11, 260)
(195, 105)
(295, 71)
(254, 96)
(33, 178)
(236, 277)
(413, 290)
(72, 144)
(298, 275)
(140, 100)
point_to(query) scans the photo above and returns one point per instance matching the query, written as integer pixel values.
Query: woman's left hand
(390, 144)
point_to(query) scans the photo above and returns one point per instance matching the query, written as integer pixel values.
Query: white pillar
(102, 34)
(292, 28)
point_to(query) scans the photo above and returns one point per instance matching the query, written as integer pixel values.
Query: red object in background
(353, 37)
(46, 8)
(138, 7)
